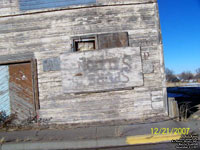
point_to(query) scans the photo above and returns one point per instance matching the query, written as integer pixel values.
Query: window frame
(84, 39)
(97, 38)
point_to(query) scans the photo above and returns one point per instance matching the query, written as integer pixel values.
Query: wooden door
(21, 90)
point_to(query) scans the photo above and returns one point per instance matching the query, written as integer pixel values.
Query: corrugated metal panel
(4, 90)
(21, 90)
(42, 4)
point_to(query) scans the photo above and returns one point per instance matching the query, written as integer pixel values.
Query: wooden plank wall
(48, 35)
(21, 7)
(8, 7)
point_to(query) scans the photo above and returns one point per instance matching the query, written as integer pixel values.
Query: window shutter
(112, 40)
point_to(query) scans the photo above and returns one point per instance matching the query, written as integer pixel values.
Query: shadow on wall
(188, 99)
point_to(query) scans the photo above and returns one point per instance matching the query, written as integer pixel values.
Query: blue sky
(180, 25)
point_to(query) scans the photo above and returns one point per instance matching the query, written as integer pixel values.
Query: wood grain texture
(48, 34)
(101, 70)
(97, 106)
(21, 90)
(113, 40)
(8, 7)
(21, 7)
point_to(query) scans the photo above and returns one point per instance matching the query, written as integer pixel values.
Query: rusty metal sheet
(112, 40)
(21, 90)
(100, 70)
(4, 90)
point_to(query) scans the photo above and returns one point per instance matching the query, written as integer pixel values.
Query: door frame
(26, 58)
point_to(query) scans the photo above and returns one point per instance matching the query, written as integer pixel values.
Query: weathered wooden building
(81, 61)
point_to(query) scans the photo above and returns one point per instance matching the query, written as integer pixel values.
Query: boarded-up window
(112, 40)
(101, 41)
(42, 4)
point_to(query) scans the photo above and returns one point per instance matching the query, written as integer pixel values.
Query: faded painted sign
(101, 70)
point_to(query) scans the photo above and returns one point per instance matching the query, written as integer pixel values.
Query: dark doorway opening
(188, 99)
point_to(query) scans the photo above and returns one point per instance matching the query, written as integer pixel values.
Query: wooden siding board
(8, 7)
(52, 37)
(101, 70)
(4, 90)
(38, 6)
(49, 35)
(96, 106)
(13, 58)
